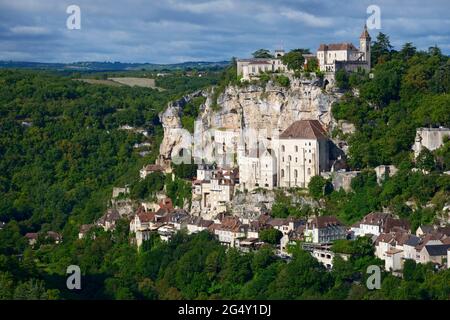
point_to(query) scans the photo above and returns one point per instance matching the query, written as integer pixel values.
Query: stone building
(324, 229)
(303, 153)
(251, 68)
(430, 138)
(335, 56)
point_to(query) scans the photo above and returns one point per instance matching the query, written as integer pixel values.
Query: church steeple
(364, 45)
(365, 34)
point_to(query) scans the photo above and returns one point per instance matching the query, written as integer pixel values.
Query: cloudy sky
(169, 31)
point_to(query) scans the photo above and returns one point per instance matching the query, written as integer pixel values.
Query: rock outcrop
(268, 110)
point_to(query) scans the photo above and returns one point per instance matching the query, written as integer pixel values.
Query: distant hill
(112, 66)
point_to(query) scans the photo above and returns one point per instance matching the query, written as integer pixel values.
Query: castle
(336, 56)
(331, 57)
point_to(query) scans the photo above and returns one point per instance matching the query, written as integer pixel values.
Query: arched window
(296, 148)
(290, 158)
(282, 148)
(295, 173)
(282, 173)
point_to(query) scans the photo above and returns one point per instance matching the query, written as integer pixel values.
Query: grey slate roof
(413, 241)
(437, 250)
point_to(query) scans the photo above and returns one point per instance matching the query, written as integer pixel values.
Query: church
(297, 154)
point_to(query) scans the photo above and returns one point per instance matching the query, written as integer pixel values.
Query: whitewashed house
(324, 229)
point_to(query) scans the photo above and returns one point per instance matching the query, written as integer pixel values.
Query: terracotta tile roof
(154, 168)
(365, 34)
(336, 47)
(324, 221)
(395, 238)
(231, 224)
(304, 129)
(146, 217)
(375, 218)
(276, 222)
(31, 235)
(54, 235)
(86, 227)
(444, 230)
(429, 237)
(166, 204)
(110, 216)
(393, 224)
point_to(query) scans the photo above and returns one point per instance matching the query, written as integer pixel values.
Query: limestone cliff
(270, 108)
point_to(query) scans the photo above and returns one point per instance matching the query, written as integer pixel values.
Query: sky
(172, 31)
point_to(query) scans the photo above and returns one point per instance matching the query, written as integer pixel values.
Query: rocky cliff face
(270, 109)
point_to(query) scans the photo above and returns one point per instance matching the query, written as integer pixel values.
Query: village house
(250, 69)
(84, 229)
(436, 254)
(197, 224)
(50, 236)
(218, 191)
(229, 230)
(324, 229)
(178, 218)
(376, 223)
(32, 238)
(336, 56)
(389, 247)
(148, 169)
(109, 220)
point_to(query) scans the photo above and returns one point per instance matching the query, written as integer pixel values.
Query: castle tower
(364, 45)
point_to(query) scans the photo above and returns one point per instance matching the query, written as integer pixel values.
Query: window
(290, 158)
(296, 148)
(309, 160)
(309, 171)
(295, 173)
(295, 159)
(282, 173)
(310, 143)
(282, 148)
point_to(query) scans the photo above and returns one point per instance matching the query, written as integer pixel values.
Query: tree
(294, 59)
(318, 187)
(262, 53)
(425, 160)
(342, 79)
(272, 236)
(408, 50)
(381, 49)
(283, 81)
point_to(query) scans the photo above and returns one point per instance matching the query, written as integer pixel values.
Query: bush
(282, 81)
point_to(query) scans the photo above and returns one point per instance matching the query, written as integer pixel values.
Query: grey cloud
(176, 30)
